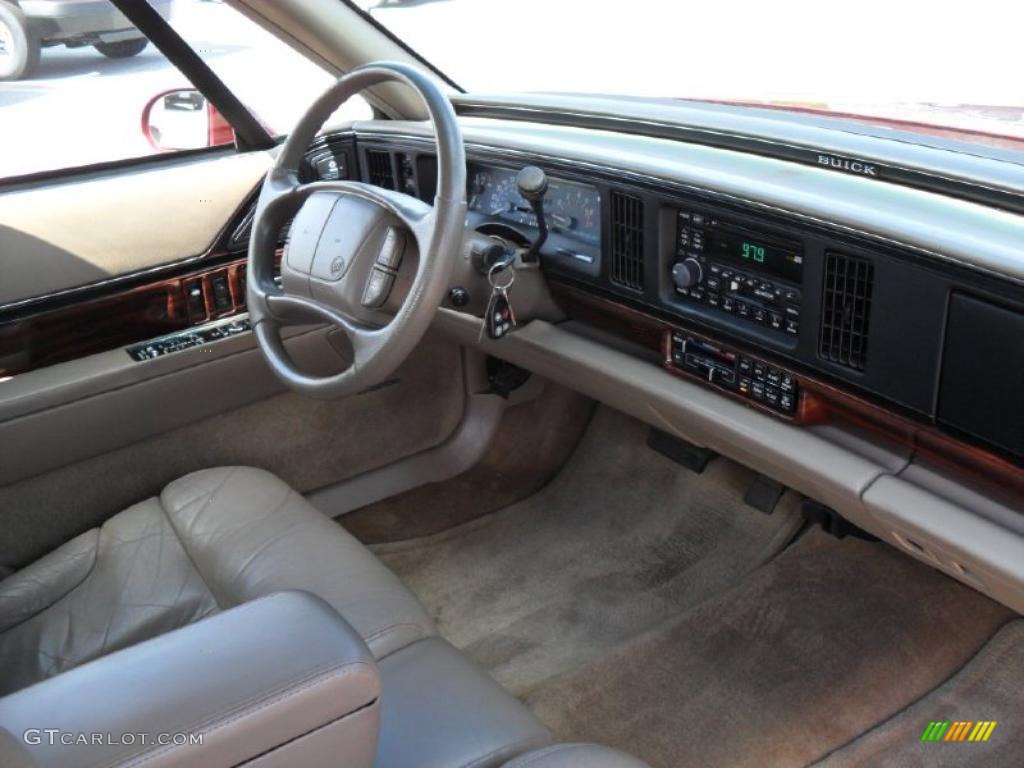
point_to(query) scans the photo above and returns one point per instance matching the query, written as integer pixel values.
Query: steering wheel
(373, 262)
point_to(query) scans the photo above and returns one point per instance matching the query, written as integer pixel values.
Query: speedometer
(571, 210)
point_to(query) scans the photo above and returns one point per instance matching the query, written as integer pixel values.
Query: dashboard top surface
(968, 234)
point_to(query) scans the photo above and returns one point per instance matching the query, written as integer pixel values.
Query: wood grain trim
(118, 319)
(819, 402)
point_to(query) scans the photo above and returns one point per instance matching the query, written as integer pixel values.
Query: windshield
(927, 64)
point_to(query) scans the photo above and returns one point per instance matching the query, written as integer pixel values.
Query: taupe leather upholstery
(212, 540)
(103, 635)
(279, 681)
(576, 756)
(440, 710)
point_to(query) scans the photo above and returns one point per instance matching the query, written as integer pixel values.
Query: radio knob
(687, 273)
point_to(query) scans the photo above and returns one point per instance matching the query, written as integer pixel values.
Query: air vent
(846, 310)
(379, 166)
(627, 234)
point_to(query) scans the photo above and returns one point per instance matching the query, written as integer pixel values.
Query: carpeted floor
(620, 541)
(824, 643)
(990, 687)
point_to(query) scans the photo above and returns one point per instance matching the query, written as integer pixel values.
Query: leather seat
(212, 540)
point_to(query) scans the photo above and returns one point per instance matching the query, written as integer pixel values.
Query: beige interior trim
(873, 488)
(62, 234)
(953, 538)
(462, 449)
(113, 401)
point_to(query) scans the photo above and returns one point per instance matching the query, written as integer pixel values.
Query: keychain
(499, 318)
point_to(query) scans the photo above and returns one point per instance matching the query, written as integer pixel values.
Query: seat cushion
(212, 540)
(575, 756)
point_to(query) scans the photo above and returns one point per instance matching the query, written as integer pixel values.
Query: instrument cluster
(571, 210)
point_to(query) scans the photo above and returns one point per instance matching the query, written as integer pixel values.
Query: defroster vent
(379, 166)
(846, 310)
(627, 235)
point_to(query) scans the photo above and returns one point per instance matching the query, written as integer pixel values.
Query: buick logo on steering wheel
(337, 266)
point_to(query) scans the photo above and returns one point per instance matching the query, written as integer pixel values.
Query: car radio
(729, 268)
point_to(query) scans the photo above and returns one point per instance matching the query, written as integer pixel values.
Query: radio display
(754, 251)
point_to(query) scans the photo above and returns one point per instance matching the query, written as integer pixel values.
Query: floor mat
(989, 689)
(622, 539)
(825, 642)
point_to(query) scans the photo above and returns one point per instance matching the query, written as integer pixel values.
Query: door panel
(68, 233)
(103, 453)
(86, 429)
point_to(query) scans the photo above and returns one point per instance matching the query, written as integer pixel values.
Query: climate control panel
(734, 371)
(754, 276)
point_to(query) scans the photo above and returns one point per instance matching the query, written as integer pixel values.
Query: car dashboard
(858, 340)
(751, 300)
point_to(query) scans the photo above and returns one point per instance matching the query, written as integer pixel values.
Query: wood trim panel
(819, 402)
(121, 318)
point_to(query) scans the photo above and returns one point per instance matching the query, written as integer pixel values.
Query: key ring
(497, 268)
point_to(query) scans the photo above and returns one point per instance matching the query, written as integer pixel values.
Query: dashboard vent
(846, 310)
(378, 164)
(627, 234)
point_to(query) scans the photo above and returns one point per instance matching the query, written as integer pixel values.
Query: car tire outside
(123, 49)
(19, 48)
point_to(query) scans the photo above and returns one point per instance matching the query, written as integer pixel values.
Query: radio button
(742, 309)
(714, 300)
(760, 371)
(771, 394)
(787, 384)
(698, 218)
(787, 401)
(713, 283)
(775, 320)
(792, 327)
(793, 297)
(760, 315)
(728, 304)
(757, 390)
(774, 377)
(746, 365)
(745, 384)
